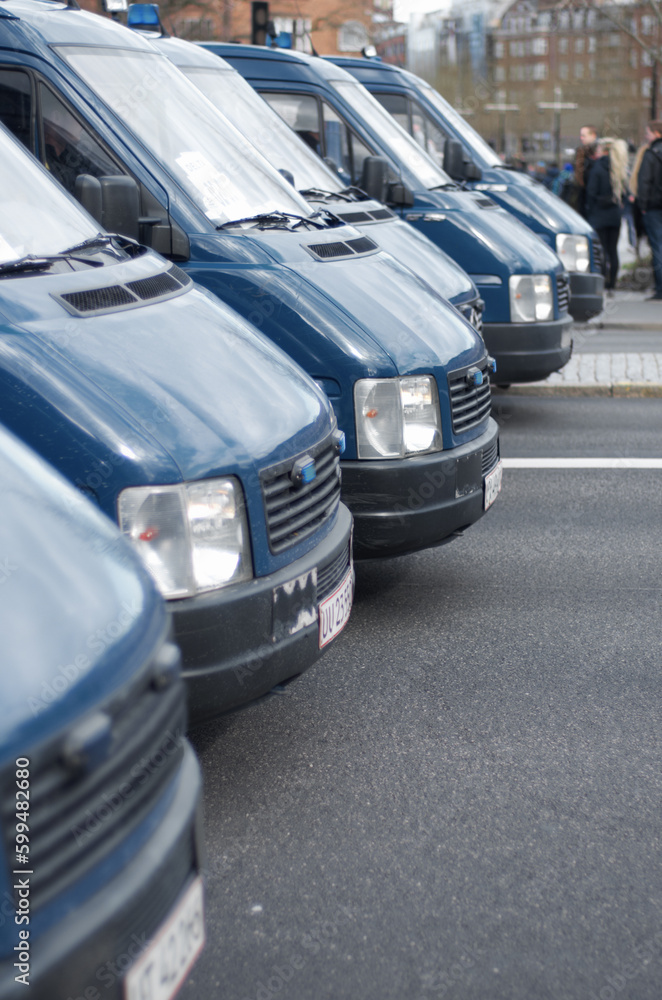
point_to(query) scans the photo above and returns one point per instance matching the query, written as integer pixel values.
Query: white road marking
(582, 463)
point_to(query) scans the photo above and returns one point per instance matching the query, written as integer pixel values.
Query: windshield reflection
(212, 161)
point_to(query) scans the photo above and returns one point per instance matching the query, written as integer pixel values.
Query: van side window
(397, 105)
(16, 104)
(343, 146)
(428, 134)
(301, 113)
(68, 147)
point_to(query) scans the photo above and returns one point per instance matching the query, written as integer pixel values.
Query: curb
(614, 325)
(619, 390)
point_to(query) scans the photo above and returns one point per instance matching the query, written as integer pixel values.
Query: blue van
(314, 179)
(526, 325)
(408, 377)
(217, 456)
(424, 113)
(99, 884)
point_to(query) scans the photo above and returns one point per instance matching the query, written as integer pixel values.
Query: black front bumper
(239, 642)
(528, 352)
(84, 954)
(586, 296)
(414, 503)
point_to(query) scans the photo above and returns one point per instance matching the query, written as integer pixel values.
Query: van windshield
(250, 113)
(36, 216)
(401, 145)
(220, 170)
(467, 133)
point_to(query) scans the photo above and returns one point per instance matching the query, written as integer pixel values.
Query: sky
(403, 8)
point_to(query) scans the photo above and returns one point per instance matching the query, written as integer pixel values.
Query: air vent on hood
(486, 203)
(383, 213)
(352, 217)
(363, 245)
(96, 299)
(327, 251)
(112, 298)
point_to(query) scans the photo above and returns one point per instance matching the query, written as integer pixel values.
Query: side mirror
(287, 174)
(120, 198)
(472, 171)
(399, 194)
(453, 159)
(374, 177)
(88, 192)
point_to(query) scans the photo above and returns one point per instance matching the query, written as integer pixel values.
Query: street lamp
(502, 109)
(557, 106)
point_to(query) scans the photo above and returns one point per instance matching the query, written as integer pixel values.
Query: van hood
(533, 203)
(79, 615)
(200, 391)
(476, 219)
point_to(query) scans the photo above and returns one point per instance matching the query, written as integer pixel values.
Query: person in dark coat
(605, 189)
(649, 196)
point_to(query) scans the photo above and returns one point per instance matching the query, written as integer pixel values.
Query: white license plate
(493, 485)
(334, 611)
(162, 968)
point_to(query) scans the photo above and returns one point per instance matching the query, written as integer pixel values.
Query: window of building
(545, 21)
(563, 71)
(578, 20)
(592, 44)
(564, 20)
(647, 23)
(499, 74)
(646, 59)
(498, 50)
(540, 71)
(563, 45)
(634, 58)
(614, 40)
(539, 46)
(579, 70)
(579, 45)
(646, 87)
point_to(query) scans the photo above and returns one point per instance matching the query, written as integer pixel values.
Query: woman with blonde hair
(605, 190)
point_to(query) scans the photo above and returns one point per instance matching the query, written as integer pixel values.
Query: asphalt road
(462, 798)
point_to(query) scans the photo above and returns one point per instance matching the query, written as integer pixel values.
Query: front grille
(598, 259)
(293, 512)
(383, 213)
(470, 404)
(490, 457)
(329, 577)
(362, 245)
(77, 819)
(98, 298)
(151, 288)
(474, 314)
(563, 291)
(326, 250)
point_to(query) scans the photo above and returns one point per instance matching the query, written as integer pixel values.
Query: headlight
(397, 416)
(573, 251)
(192, 537)
(530, 297)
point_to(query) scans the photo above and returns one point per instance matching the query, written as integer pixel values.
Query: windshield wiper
(28, 263)
(281, 220)
(445, 187)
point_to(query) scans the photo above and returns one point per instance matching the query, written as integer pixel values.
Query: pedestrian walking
(605, 190)
(588, 136)
(637, 230)
(649, 196)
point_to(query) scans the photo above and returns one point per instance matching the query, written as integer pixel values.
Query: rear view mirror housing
(374, 177)
(120, 199)
(472, 171)
(453, 159)
(399, 194)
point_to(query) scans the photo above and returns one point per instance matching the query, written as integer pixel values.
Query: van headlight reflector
(530, 298)
(396, 417)
(193, 537)
(573, 251)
